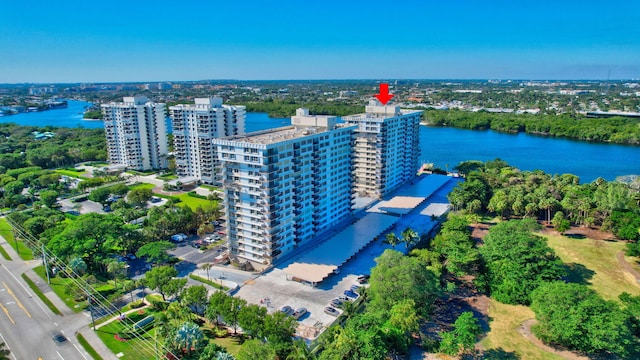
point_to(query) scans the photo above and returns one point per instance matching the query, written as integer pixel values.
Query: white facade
(194, 127)
(136, 131)
(284, 186)
(386, 148)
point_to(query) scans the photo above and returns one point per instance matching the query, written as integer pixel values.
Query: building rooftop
(380, 112)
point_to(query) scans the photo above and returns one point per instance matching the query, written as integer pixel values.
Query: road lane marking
(74, 345)
(59, 355)
(18, 301)
(27, 291)
(7, 313)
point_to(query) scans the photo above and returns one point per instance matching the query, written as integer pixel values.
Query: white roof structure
(320, 262)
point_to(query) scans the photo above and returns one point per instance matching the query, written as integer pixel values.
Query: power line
(95, 298)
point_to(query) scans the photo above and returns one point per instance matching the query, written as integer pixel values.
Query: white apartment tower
(136, 131)
(194, 126)
(386, 148)
(285, 186)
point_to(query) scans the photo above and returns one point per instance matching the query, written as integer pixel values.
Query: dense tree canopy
(575, 316)
(518, 261)
(397, 277)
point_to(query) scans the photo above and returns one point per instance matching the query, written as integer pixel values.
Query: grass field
(58, 286)
(194, 202)
(590, 262)
(232, 344)
(7, 233)
(141, 186)
(504, 335)
(593, 262)
(132, 348)
(73, 174)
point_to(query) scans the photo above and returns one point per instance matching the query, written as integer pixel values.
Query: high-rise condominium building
(286, 185)
(386, 148)
(194, 126)
(136, 131)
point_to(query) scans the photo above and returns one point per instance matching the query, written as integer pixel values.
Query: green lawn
(7, 233)
(131, 348)
(194, 202)
(87, 347)
(593, 262)
(504, 335)
(141, 186)
(230, 343)
(58, 285)
(73, 174)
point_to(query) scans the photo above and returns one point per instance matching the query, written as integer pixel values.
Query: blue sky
(115, 41)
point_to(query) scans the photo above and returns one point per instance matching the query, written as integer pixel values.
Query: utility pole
(46, 266)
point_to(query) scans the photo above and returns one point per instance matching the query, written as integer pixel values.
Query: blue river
(444, 147)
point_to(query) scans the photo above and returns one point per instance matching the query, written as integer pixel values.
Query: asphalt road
(27, 327)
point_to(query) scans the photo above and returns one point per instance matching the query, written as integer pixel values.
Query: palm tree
(300, 351)
(207, 267)
(115, 268)
(391, 239)
(220, 355)
(78, 266)
(409, 237)
(189, 337)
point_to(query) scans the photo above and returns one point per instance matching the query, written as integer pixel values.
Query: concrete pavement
(33, 322)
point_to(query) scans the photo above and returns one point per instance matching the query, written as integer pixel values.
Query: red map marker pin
(384, 95)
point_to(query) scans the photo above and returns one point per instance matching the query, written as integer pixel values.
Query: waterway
(444, 147)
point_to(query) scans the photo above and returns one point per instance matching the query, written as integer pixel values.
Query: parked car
(344, 298)
(299, 313)
(155, 199)
(363, 278)
(350, 294)
(179, 237)
(331, 311)
(336, 303)
(287, 310)
(355, 288)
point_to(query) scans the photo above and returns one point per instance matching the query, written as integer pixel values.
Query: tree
(213, 351)
(49, 197)
(575, 316)
(397, 277)
(158, 278)
(100, 195)
(256, 349)
(391, 239)
(278, 330)
(463, 337)
(230, 310)
(518, 261)
(404, 317)
(91, 237)
(217, 301)
(4, 352)
(251, 319)
(116, 269)
(195, 297)
(410, 237)
(139, 196)
(174, 287)
(156, 252)
(207, 267)
(78, 266)
(560, 223)
(189, 337)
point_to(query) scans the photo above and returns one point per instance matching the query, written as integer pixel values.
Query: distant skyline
(118, 41)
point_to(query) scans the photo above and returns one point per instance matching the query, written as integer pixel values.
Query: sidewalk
(68, 317)
(88, 333)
